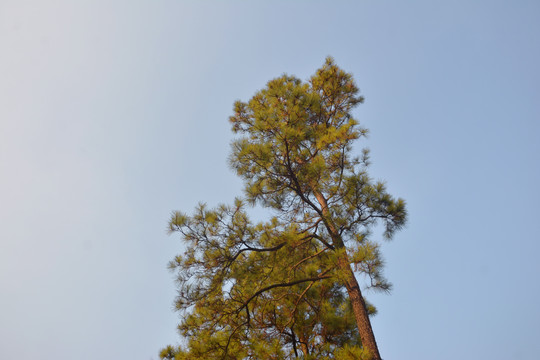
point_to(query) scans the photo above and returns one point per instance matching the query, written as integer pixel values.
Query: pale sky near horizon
(115, 113)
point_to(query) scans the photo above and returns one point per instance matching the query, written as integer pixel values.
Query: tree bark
(359, 307)
(351, 284)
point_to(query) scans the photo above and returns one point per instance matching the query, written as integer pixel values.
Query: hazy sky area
(115, 113)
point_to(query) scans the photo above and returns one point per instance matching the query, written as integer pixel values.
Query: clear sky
(114, 113)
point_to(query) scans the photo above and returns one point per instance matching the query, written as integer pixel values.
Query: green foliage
(275, 289)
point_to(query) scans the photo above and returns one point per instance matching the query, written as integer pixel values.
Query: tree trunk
(359, 307)
(351, 284)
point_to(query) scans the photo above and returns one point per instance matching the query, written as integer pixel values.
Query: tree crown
(275, 289)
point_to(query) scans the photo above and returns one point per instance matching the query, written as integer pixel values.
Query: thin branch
(249, 248)
(307, 258)
(288, 284)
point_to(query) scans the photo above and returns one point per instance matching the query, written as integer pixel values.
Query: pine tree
(286, 287)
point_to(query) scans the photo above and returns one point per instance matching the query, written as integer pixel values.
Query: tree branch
(287, 284)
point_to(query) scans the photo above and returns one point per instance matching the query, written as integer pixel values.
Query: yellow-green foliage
(273, 289)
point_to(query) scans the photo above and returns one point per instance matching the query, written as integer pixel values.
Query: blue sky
(114, 113)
